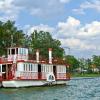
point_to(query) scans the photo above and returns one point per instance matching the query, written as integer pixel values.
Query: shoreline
(85, 76)
(79, 78)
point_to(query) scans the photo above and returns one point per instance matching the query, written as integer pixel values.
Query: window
(28, 67)
(3, 68)
(9, 51)
(16, 50)
(24, 67)
(0, 68)
(12, 51)
(31, 67)
(59, 68)
(25, 51)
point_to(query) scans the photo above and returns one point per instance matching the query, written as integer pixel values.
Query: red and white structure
(18, 71)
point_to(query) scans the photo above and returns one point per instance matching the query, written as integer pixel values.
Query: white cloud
(70, 42)
(44, 9)
(8, 10)
(76, 43)
(75, 35)
(64, 1)
(92, 29)
(40, 27)
(93, 4)
(73, 27)
(69, 27)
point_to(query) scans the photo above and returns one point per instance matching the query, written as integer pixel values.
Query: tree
(96, 61)
(72, 61)
(10, 36)
(89, 63)
(43, 40)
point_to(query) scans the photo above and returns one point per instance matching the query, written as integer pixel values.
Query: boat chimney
(37, 55)
(50, 55)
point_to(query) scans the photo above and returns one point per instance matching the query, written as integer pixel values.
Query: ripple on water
(82, 89)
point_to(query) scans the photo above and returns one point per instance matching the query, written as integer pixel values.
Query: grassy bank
(85, 75)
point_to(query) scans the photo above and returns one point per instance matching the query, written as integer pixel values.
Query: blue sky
(76, 23)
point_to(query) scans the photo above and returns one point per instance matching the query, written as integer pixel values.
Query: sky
(76, 23)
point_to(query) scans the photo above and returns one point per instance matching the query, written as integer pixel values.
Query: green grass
(86, 75)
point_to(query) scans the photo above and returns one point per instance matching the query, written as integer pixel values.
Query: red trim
(41, 62)
(21, 61)
(7, 62)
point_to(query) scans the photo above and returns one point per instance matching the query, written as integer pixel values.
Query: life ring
(50, 77)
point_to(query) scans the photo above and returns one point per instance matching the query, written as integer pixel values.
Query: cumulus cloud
(78, 44)
(92, 29)
(75, 35)
(40, 27)
(69, 27)
(8, 10)
(93, 4)
(73, 27)
(70, 42)
(43, 8)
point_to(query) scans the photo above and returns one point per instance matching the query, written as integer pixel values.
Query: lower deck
(31, 71)
(23, 74)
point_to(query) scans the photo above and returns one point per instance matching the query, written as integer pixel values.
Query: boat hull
(25, 83)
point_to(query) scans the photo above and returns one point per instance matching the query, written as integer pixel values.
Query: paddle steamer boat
(16, 70)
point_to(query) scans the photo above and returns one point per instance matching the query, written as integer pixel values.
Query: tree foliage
(43, 41)
(10, 36)
(72, 61)
(96, 61)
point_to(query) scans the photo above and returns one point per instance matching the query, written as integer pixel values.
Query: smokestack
(37, 55)
(50, 55)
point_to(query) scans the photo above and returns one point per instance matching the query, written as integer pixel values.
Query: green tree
(72, 61)
(89, 62)
(43, 40)
(10, 36)
(96, 61)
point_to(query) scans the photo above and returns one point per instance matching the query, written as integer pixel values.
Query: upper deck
(17, 53)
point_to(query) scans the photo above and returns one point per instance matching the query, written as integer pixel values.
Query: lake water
(79, 89)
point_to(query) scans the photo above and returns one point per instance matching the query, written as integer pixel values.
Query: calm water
(82, 89)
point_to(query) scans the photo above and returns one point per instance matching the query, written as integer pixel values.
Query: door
(39, 71)
(6, 71)
(55, 71)
(3, 71)
(9, 72)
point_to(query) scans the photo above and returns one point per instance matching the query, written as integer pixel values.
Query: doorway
(55, 71)
(4, 71)
(39, 71)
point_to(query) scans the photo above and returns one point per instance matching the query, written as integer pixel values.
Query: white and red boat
(18, 71)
